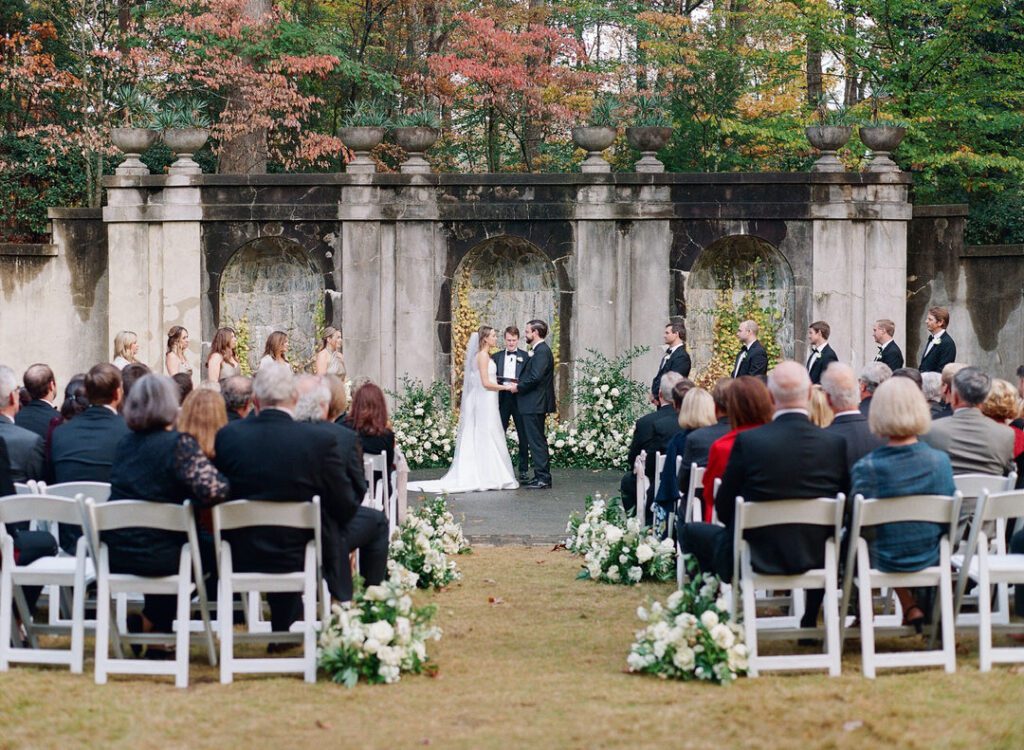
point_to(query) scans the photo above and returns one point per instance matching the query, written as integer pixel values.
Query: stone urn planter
(362, 140)
(184, 142)
(828, 139)
(133, 142)
(415, 140)
(594, 139)
(882, 140)
(648, 140)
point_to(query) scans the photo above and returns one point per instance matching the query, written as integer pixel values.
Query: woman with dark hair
(328, 359)
(749, 405)
(75, 402)
(176, 356)
(274, 351)
(368, 416)
(222, 362)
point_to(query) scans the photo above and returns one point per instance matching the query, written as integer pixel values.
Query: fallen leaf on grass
(494, 601)
(560, 545)
(851, 726)
(324, 724)
(489, 580)
(431, 670)
(541, 562)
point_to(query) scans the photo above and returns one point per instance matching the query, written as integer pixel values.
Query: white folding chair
(59, 571)
(938, 509)
(400, 501)
(26, 488)
(824, 511)
(241, 514)
(675, 505)
(996, 567)
(639, 472)
(694, 511)
(122, 514)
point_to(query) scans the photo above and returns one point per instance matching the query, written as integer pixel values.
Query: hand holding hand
(514, 388)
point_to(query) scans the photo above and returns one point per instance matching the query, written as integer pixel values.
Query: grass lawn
(530, 658)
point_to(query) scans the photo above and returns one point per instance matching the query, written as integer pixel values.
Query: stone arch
(273, 284)
(747, 265)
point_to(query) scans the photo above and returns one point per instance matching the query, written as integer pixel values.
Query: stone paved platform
(531, 517)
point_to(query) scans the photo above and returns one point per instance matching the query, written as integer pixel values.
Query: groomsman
(676, 359)
(510, 363)
(752, 359)
(888, 350)
(820, 355)
(940, 349)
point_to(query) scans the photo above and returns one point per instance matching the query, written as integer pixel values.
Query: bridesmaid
(126, 349)
(176, 356)
(329, 360)
(223, 362)
(274, 351)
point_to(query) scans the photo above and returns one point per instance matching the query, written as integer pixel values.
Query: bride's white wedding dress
(481, 458)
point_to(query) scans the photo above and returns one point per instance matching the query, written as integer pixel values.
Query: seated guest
(871, 376)
(24, 448)
(273, 457)
(911, 373)
(154, 462)
(237, 393)
(37, 414)
(75, 402)
(931, 386)
(339, 398)
(126, 349)
(695, 412)
(651, 433)
(129, 374)
(1020, 383)
(974, 443)
(749, 405)
(1003, 406)
(903, 466)
(818, 410)
(368, 416)
(786, 459)
(183, 381)
(947, 375)
(843, 394)
(698, 442)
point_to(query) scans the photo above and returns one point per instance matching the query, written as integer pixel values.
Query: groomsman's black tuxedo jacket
(890, 355)
(755, 363)
(677, 361)
(537, 382)
(505, 398)
(940, 355)
(828, 356)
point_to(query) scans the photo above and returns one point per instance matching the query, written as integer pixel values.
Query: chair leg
(102, 620)
(946, 597)
(832, 612)
(225, 605)
(984, 622)
(867, 615)
(749, 618)
(6, 618)
(78, 618)
(309, 613)
(184, 615)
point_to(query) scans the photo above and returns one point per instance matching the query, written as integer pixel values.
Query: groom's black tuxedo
(536, 398)
(508, 403)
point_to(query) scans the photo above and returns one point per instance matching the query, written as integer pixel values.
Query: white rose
(636, 573)
(722, 635)
(674, 599)
(684, 658)
(615, 392)
(375, 594)
(594, 380)
(709, 619)
(604, 388)
(612, 533)
(641, 613)
(613, 573)
(644, 553)
(371, 646)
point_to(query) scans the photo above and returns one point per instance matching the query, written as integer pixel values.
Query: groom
(535, 393)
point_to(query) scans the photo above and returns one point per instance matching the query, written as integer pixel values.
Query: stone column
(181, 256)
(649, 285)
(597, 298)
(361, 278)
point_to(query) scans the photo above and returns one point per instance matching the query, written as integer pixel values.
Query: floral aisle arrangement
(615, 549)
(424, 424)
(690, 637)
(425, 542)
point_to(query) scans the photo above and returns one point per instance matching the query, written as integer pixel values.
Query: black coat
(537, 383)
(652, 433)
(273, 457)
(6, 483)
(891, 356)
(698, 446)
(36, 416)
(506, 398)
(755, 363)
(940, 355)
(789, 458)
(25, 450)
(828, 356)
(83, 449)
(677, 361)
(860, 441)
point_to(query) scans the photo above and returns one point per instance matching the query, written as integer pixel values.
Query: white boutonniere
(530, 353)
(937, 339)
(519, 359)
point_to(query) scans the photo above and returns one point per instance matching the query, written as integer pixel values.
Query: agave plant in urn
(415, 133)
(186, 128)
(828, 135)
(598, 134)
(650, 132)
(134, 110)
(362, 131)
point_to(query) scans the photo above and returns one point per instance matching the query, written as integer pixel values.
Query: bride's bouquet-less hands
(690, 637)
(424, 542)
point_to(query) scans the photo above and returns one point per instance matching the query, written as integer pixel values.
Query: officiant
(510, 362)
(676, 359)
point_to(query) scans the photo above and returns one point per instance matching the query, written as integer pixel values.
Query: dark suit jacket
(505, 398)
(940, 355)
(678, 361)
(698, 446)
(652, 433)
(828, 356)
(860, 441)
(537, 383)
(6, 483)
(891, 355)
(273, 457)
(789, 458)
(35, 416)
(755, 363)
(351, 454)
(83, 449)
(24, 449)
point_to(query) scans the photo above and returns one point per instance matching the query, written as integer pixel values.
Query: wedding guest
(183, 380)
(651, 433)
(1020, 381)
(1003, 406)
(676, 359)
(888, 351)
(329, 360)
(176, 356)
(843, 394)
(872, 375)
(698, 442)
(940, 349)
(948, 373)
(222, 363)
(129, 375)
(368, 416)
(156, 463)
(348, 440)
(819, 412)
(75, 402)
(339, 399)
(274, 351)
(237, 394)
(752, 359)
(695, 412)
(820, 354)
(904, 466)
(126, 349)
(37, 414)
(911, 373)
(749, 405)
(931, 386)
(24, 448)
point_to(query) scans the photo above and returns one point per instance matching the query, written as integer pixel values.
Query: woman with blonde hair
(223, 362)
(274, 351)
(202, 414)
(818, 410)
(126, 349)
(339, 398)
(329, 360)
(176, 356)
(1003, 405)
(696, 409)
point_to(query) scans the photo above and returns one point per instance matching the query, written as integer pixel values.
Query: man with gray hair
(237, 394)
(872, 375)
(975, 443)
(931, 386)
(843, 395)
(24, 447)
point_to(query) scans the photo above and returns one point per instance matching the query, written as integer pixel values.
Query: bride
(481, 459)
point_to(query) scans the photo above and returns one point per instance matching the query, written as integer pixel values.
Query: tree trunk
(850, 92)
(814, 83)
(532, 125)
(246, 153)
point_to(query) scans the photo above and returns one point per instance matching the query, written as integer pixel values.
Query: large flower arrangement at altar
(424, 424)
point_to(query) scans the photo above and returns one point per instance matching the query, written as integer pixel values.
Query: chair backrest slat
(24, 488)
(98, 491)
(239, 514)
(123, 514)
(1002, 505)
(972, 485)
(815, 511)
(19, 508)
(927, 508)
(378, 460)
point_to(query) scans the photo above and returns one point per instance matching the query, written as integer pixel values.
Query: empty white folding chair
(122, 514)
(939, 509)
(996, 567)
(694, 512)
(827, 512)
(640, 474)
(241, 514)
(59, 571)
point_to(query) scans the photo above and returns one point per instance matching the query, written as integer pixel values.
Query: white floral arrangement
(379, 635)
(690, 637)
(424, 424)
(425, 542)
(616, 549)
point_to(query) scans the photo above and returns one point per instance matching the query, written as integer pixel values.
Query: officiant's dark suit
(536, 398)
(272, 457)
(754, 363)
(676, 360)
(508, 404)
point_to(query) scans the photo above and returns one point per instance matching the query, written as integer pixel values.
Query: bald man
(842, 390)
